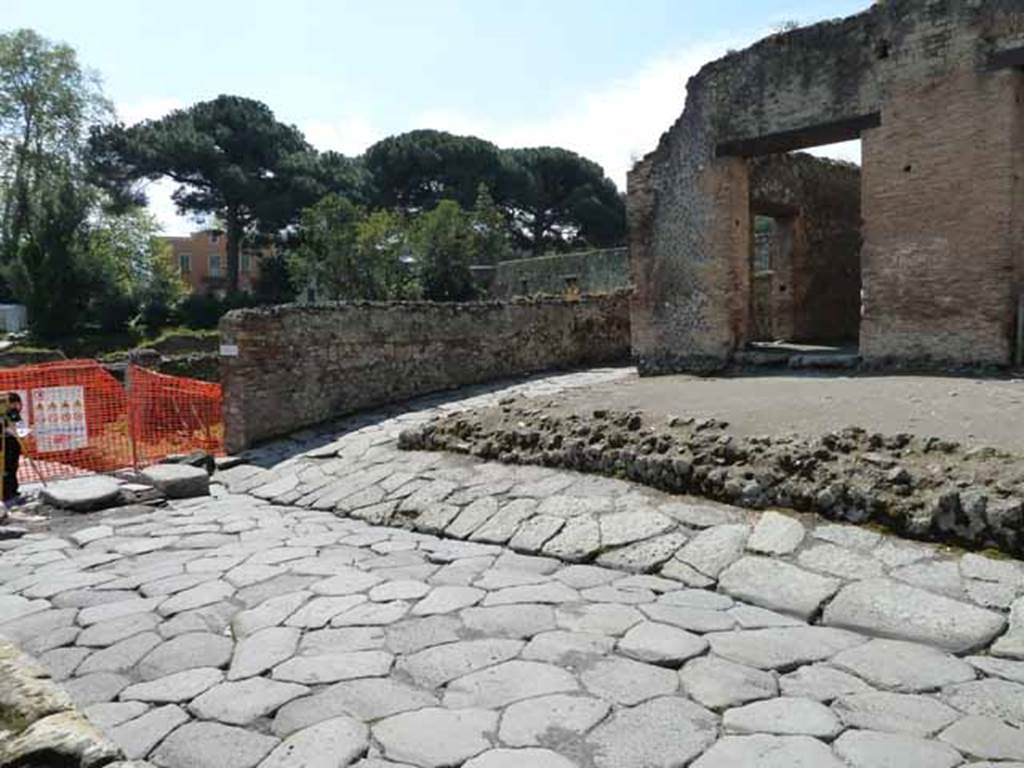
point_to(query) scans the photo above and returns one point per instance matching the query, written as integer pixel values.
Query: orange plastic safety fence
(79, 419)
(171, 414)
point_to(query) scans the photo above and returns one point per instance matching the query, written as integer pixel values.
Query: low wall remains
(590, 271)
(290, 366)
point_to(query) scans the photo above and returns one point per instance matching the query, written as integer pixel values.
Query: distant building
(202, 261)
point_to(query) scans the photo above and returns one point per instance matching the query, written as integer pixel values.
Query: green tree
(383, 250)
(414, 171)
(492, 243)
(48, 103)
(327, 255)
(233, 160)
(562, 200)
(444, 245)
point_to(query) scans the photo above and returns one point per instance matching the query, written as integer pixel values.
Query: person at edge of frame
(12, 447)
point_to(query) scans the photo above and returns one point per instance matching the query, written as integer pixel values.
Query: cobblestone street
(338, 602)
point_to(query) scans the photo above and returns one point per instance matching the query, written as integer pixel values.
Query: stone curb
(40, 724)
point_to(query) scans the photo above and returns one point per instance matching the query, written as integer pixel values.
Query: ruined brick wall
(929, 84)
(599, 271)
(817, 276)
(301, 365)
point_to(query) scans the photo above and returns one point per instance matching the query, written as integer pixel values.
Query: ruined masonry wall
(301, 365)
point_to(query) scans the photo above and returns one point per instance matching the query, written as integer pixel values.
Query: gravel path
(508, 617)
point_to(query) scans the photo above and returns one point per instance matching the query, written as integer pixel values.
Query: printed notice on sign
(58, 418)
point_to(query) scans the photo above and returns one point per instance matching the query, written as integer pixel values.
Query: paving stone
(81, 494)
(601, 618)
(975, 566)
(106, 715)
(535, 532)
(269, 613)
(334, 667)
(372, 614)
(323, 641)
(889, 609)
(752, 617)
(413, 635)
(644, 556)
(783, 716)
(822, 683)
(319, 611)
(350, 582)
(549, 719)
(1011, 645)
(506, 683)
(111, 611)
(986, 738)
(839, 561)
(942, 577)
(447, 599)
(549, 592)
(849, 536)
(62, 662)
(210, 618)
(514, 758)
(697, 598)
(559, 647)
(777, 585)
(178, 481)
(85, 536)
(991, 697)
(168, 585)
(503, 526)
(694, 619)
(782, 648)
(700, 515)
(719, 684)
(687, 574)
(434, 738)
(197, 597)
(262, 650)
(585, 576)
(239, 703)
(121, 656)
(517, 621)
(438, 665)
(996, 667)
(181, 686)
(578, 540)
(776, 534)
(473, 517)
(402, 589)
(610, 593)
(663, 733)
(332, 743)
(894, 713)
(138, 737)
(628, 682)
(212, 745)
(628, 527)
(661, 644)
(367, 699)
(196, 649)
(711, 551)
(872, 749)
(762, 751)
(895, 665)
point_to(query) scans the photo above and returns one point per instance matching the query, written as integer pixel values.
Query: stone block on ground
(178, 481)
(82, 494)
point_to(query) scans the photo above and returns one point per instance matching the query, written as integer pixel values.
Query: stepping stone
(662, 733)
(242, 702)
(532, 722)
(368, 699)
(904, 667)
(887, 608)
(194, 649)
(212, 745)
(1001, 699)
(516, 758)
(82, 494)
(987, 738)
(628, 682)
(776, 534)
(710, 552)
(871, 749)
(335, 742)
(334, 667)
(783, 647)
(181, 686)
(433, 737)
(661, 644)
(821, 683)
(506, 683)
(138, 737)
(895, 713)
(777, 586)
(768, 751)
(719, 684)
(178, 481)
(783, 717)
(433, 667)
(258, 652)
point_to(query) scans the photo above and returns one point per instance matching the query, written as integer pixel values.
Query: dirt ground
(975, 412)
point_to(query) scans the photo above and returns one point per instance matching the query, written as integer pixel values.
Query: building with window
(202, 261)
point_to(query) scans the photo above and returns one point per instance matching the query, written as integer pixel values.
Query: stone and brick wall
(932, 87)
(301, 365)
(600, 271)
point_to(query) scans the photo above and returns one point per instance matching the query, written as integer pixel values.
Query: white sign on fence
(58, 418)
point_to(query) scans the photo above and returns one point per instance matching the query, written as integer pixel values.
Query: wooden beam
(1009, 59)
(801, 138)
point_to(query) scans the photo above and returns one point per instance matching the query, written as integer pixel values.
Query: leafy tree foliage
(445, 244)
(232, 159)
(492, 241)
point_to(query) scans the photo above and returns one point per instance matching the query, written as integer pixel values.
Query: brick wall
(302, 365)
(600, 271)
